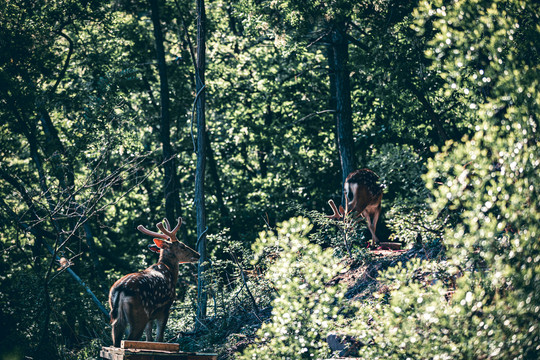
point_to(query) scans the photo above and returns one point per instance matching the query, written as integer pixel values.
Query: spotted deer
(137, 299)
(364, 196)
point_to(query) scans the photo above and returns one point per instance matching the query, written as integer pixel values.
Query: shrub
(489, 181)
(305, 308)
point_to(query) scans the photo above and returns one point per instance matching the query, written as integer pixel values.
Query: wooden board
(147, 345)
(390, 246)
(113, 353)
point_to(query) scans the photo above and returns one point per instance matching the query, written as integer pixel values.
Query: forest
(244, 118)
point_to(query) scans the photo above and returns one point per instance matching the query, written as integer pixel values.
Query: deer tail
(115, 300)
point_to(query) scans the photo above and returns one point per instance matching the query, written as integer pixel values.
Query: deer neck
(169, 260)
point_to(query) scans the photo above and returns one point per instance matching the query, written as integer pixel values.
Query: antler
(167, 225)
(338, 214)
(167, 229)
(152, 233)
(168, 234)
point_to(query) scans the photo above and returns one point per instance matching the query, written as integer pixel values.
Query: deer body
(363, 195)
(137, 299)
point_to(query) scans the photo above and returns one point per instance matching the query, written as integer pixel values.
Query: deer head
(167, 240)
(137, 299)
(363, 195)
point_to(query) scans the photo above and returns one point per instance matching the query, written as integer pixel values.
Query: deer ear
(162, 244)
(154, 248)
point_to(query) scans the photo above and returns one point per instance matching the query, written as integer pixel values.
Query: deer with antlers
(363, 195)
(137, 299)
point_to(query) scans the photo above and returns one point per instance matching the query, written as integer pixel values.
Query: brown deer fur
(139, 298)
(363, 195)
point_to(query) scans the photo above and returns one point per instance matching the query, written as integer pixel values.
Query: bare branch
(66, 63)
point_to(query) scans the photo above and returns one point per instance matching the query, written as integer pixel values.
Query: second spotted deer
(364, 195)
(137, 299)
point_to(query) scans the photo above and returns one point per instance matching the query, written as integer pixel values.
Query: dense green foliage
(305, 308)
(445, 98)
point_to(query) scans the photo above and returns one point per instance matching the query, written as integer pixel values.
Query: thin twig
(243, 276)
(318, 39)
(309, 116)
(266, 220)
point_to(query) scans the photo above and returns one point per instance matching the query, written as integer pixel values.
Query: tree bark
(214, 175)
(338, 62)
(201, 159)
(170, 180)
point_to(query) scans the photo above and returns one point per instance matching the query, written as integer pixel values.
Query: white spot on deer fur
(352, 187)
(157, 274)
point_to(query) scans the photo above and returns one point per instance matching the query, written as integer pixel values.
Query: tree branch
(429, 109)
(66, 63)
(32, 230)
(356, 42)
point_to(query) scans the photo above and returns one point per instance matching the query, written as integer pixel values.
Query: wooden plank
(146, 345)
(170, 356)
(200, 356)
(390, 246)
(113, 353)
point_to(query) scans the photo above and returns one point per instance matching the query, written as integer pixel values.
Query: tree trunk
(45, 348)
(201, 159)
(214, 175)
(338, 63)
(170, 180)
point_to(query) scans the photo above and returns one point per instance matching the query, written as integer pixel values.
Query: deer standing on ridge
(363, 195)
(137, 299)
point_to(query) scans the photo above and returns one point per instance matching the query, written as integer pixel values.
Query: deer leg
(136, 330)
(136, 318)
(371, 228)
(119, 324)
(161, 321)
(118, 329)
(148, 330)
(376, 214)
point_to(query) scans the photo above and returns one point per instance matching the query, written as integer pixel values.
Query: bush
(406, 209)
(489, 181)
(305, 308)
